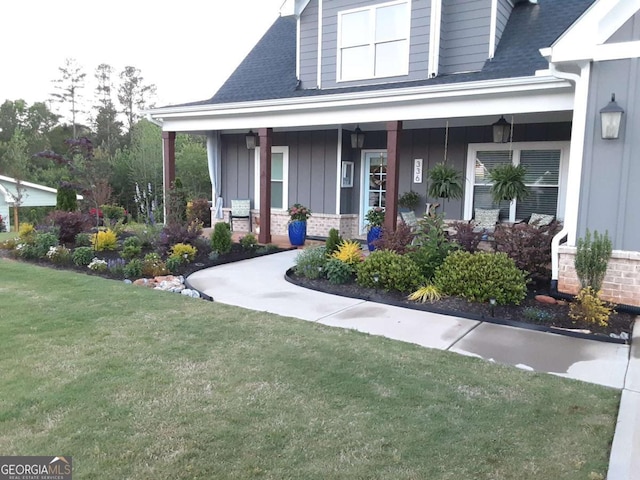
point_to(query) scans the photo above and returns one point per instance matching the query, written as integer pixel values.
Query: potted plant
(298, 216)
(409, 200)
(508, 182)
(375, 219)
(446, 182)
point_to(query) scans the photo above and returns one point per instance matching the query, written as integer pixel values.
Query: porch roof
(268, 71)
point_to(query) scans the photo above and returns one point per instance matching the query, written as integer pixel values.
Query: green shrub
(83, 240)
(221, 238)
(148, 234)
(66, 199)
(268, 248)
(339, 272)
(333, 241)
(592, 257)
(131, 247)
(116, 266)
(389, 271)
(481, 276)
(133, 269)
(174, 264)
(82, 256)
(104, 240)
(44, 241)
(433, 245)
(310, 262)
(249, 242)
(113, 212)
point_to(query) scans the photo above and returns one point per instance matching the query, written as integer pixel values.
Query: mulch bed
(556, 316)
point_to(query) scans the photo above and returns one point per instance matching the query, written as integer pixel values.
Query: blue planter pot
(372, 235)
(297, 232)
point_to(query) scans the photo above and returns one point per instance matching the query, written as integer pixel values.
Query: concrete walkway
(259, 284)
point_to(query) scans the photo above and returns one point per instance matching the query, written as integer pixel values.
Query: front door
(374, 181)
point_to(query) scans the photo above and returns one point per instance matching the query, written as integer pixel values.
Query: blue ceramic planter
(372, 235)
(297, 232)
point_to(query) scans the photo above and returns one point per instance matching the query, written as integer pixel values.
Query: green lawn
(140, 384)
(7, 235)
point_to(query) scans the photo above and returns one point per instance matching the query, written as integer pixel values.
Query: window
(374, 42)
(279, 177)
(544, 163)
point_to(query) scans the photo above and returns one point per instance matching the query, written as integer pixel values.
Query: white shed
(33, 195)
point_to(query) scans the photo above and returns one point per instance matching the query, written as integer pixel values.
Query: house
(353, 101)
(28, 195)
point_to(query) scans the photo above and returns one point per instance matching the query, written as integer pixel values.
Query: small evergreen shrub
(152, 265)
(82, 256)
(537, 315)
(149, 235)
(311, 262)
(398, 241)
(339, 272)
(268, 248)
(481, 276)
(592, 257)
(213, 256)
(433, 245)
(184, 252)
(349, 252)
(587, 307)
(44, 241)
(221, 238)
(333, 240)
(104, 240)
(388, 271)
(66, 199)
(69, 224)
(83, 240)
(133, 269)
(131, 248)
(249, 242)
(113, 212)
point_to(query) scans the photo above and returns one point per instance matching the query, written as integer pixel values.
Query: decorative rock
(127, 281)
(190, 293)
(141, 282)
(562, 303)
(546, 299)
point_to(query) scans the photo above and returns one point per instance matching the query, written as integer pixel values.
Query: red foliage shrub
(68, 224)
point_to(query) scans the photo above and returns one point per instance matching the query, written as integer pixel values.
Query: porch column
(168, 167)
(393, 175)
(264, 236)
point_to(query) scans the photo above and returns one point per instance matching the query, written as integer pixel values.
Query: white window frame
(517, 147)
(285, 181)
(372, 42)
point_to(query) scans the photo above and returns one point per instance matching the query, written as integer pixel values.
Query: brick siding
(621, 282)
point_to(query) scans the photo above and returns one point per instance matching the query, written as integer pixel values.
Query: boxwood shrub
(389, 270)
(481, 276)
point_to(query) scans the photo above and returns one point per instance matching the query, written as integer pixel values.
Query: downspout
(569, 230)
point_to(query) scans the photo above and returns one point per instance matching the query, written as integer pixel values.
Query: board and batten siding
(312, 168)
(628, 31)
(309, 46)
(609, 196)
(464, 39)
(418, 42)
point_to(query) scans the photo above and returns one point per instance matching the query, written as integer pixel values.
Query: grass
(7, 235)
(135, 383)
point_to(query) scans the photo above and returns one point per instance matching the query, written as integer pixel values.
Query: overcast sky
(187, 48)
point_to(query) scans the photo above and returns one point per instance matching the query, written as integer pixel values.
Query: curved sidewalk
(259, 284)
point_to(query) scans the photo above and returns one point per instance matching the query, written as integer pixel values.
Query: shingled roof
(269, 70)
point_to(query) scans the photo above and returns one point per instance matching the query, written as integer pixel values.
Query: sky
(187, 48)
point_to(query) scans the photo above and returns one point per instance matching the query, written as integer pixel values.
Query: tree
(107, 127)
(69, 86)
(192, 167)
(133, 94)
(14, 163)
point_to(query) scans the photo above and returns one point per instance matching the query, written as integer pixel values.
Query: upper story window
(374, 42)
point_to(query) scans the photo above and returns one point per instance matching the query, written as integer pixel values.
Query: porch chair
(240, 208)
(485, 221)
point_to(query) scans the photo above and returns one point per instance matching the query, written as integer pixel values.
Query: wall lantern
(611, 117)
(357, 138)
(252, 140)
(501, 130)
